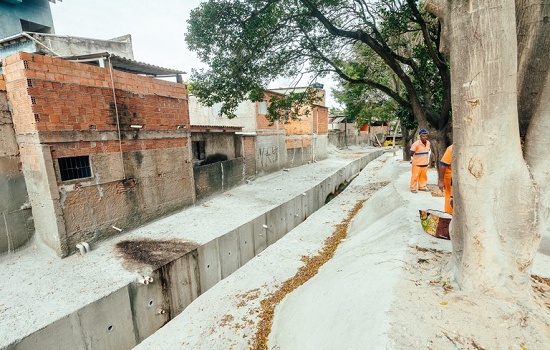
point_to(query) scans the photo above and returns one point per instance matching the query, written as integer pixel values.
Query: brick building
(101, 150)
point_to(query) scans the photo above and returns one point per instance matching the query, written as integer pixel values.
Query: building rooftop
(127, 65)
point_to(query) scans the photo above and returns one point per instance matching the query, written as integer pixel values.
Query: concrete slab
(260, 234)
(230, 256)
(209, 264)
(107, 323)
(246, 242)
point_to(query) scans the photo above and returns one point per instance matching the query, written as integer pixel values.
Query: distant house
(277, 145)
(100, 150)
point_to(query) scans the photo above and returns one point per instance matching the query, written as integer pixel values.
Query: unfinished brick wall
(135, 136)
(261, 121)
(55, 94)
(321, 120)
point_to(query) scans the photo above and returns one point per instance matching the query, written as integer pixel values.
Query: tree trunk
(494, 223)
(407, 138)
(533, 30)
(438, 142)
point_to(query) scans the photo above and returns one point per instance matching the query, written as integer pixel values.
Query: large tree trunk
(495, 232)
(533, 28)
(439, 143)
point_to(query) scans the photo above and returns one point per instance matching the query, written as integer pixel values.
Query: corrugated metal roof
(215, 128)
(127, 65)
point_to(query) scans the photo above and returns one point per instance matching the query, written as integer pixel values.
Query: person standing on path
(420, 154)
(446, 177)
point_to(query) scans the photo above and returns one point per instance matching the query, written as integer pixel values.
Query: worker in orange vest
(420, 154)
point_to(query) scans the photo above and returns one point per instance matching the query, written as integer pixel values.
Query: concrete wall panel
(218, 177)
(233, 173)
(324, 191)
(182, 277)
(107, 323)
(209, 265)
(63, 334)
(260, 234)
(146, 301)
(312, 201)
(246, 242)
(288, 210)
(276, 225)
(204, 115)
(16, 229)
(270, 153)
(299, 212)
(230, 258)
(8, 145)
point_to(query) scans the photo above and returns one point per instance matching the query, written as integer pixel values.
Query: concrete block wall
(299, 150)
(218, 177)
(270, 153)
(66, 109)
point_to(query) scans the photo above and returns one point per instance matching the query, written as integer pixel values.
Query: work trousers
(419, 177)
(448, 193)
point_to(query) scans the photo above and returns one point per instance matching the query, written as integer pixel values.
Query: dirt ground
(431, 314)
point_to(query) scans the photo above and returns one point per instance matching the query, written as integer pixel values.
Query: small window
(72, 168)
(263, 107)
(199, 150)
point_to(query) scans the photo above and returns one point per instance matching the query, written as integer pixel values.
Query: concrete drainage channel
(144, 307)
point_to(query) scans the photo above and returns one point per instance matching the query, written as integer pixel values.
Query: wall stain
(152, 252)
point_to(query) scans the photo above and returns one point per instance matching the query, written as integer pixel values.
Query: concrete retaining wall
(126, 317)
(218, 177)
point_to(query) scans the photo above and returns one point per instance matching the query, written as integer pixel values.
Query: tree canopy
(247, 44)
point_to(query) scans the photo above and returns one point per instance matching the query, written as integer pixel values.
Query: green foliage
(401, 32)
(406, 116)
(386, 47)
(190, 87)
(292, 105)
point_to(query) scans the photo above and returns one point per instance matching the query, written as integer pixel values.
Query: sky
(157, 29)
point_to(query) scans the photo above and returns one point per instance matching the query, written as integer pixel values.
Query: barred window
(72, 168)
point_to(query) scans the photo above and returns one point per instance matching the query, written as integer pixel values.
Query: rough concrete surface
(355, 300)
(39, 288)
(364, 297)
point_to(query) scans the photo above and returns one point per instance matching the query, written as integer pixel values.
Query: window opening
(199, 150)
(263, 107)
(72, 168)
(27, 26)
